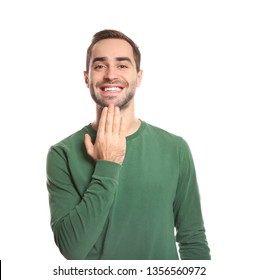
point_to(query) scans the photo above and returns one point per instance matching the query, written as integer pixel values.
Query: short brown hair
(113, 34)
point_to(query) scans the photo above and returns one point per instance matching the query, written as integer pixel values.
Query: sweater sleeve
(189, 223)
(78, 220)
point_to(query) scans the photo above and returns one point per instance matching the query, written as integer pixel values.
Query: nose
(110, 73)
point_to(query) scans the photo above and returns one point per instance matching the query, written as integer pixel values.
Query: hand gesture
(110, 142)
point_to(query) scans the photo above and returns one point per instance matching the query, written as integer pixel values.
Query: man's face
(112, 77)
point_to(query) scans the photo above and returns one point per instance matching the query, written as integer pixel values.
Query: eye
(122, 66)
(99, 67)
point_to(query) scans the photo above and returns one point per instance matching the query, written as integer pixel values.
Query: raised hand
(110, 142)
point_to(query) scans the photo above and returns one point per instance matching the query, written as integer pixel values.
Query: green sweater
(102, 210)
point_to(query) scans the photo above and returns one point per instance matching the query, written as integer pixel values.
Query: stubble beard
(122, 104)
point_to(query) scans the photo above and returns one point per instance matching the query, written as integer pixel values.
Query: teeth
(112, 89)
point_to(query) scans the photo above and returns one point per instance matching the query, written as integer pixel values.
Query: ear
(139, 78)
(86, 78)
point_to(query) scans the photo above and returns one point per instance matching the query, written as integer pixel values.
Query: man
(119, 186)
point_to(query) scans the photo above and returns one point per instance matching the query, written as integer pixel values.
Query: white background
(200, 63)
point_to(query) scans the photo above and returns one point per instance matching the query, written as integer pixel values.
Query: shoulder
(166, 142)
(69, 142)
(173, 144)
(162, 134)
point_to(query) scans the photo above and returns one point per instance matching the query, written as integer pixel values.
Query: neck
(132, 123)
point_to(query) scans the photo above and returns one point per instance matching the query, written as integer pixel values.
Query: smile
(115, 89)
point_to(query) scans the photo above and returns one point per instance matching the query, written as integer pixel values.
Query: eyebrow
(104, 58)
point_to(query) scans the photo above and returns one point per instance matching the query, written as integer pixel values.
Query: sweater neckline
(93, 132)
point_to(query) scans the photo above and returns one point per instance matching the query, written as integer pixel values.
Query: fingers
(110, 143)
(102, 122)
(111, 122)
(118, 123)
(109, 119)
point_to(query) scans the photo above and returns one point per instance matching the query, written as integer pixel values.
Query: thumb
(88, 143)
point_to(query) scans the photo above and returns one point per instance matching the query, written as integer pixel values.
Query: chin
(122, 104)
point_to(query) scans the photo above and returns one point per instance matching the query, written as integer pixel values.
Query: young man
(119, 186)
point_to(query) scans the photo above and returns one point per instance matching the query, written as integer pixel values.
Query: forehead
(112, 48)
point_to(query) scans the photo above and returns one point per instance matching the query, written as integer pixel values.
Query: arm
(78, 220)
(187, 209)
